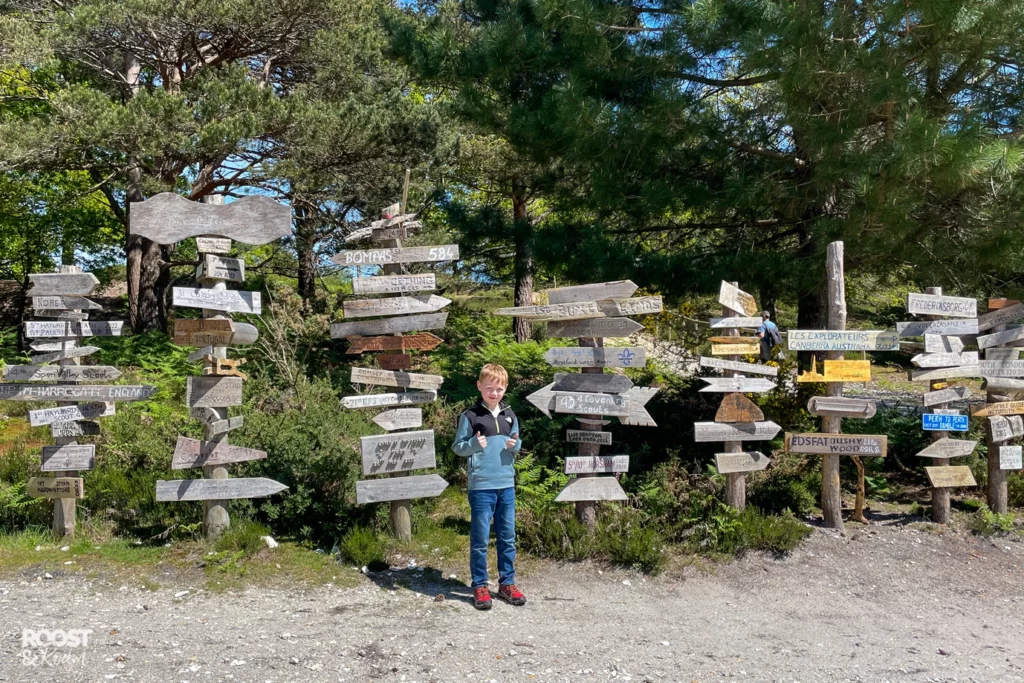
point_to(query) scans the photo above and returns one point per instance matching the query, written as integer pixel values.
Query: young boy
(488, 435)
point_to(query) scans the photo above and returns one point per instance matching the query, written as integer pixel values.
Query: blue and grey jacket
(491, 466)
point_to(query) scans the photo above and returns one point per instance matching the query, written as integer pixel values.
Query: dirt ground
(884, 603)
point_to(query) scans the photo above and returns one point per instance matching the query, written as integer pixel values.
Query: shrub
(363, 548)
(554, 533)
(984, 522)
(244, 536)
(626, 539)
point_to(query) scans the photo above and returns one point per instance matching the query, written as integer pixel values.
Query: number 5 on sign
(447, 253)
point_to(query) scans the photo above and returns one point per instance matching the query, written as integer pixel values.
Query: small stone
(65, 548)
(47, 575)
(237, 662)
(39, 548)
(365, 570)
(626, 582)
(294, 660)
(453, 577)
(181, 594)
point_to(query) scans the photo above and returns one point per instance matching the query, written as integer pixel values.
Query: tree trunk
(523, 295)
(812, 302)
(305, 240)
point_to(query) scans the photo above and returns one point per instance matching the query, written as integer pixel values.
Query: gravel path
(890, 603)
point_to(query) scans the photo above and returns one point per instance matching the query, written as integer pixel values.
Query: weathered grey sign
(408, 323)
(399, 418)
(61, 315)
(737, 384)
(399, 488)
(581, 436)
(384, 234)
(61, 284)
(937, 304)
(1000, 317)
(572, 311)
(67, 458)
(600, 291)
(168, 218)
(1001, 368)
(195, 453)
(216, 489)
(938, 343)
(1004, 428)
(66, 343)
(594, 357)
(735, 431)
(946, 477)
(213, 332)
(856, 408)
(394, 284)
(738, 366)
(1002, 354)
(948, 448)
(61, 328)
(1005, 384)
(842, 340)
(73, 352)
(945, 373)
(82, 392)
(229, 300)
(407, 398)
(955, 328)
(638, 415)
(213, 392)
(744, 461)
(60, 373)
(1010, 457)
(998, 338)
(213, 245)
(945, 360)
(55, 487)
(38, 418)
(594, 327)
(591, 488)
(578, 381)
(64, 303)
(408, 380)
(400, 452)
(380, 257)
(932, 398)
(597, 464)
(215, 267)
(641, 305)
(74, 429)
(735, 321)
(396, 305)
(200, 353)
(580, 403)
(837, 444)
(736, 299)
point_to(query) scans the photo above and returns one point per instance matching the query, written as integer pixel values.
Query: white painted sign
(380, 257)
(600, 291)
(1000, 317)
(213, 245)
(937, 343)
(744, 461)
(956, 328)
(1010, 457)
(215, 267)
(597, 464)
(736, 321)
(228, 300)
(405, 323)
(87, 411)
(736, 431)
(399, 452)
(399, 488)
(736, 299)
(594, 357)
(738, 366)
(64, 303)
(407, 398)
(842, 340)
(583, 436)
(998, 338)
(945, 360)
(393, 284)
(591, 488)
(737, 384)
(396, 305)
(937, 304)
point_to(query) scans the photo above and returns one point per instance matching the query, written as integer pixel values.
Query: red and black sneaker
(482, 598)
(512, 595)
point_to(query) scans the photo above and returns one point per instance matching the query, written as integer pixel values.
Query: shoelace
(512, 590)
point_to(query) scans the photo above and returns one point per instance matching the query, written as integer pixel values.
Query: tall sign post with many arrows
(590, 313)
(166, 219)
(400, 451)
(61, 297)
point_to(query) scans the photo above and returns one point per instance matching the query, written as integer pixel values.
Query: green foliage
(628, 539)
(363, 548)
(554, 533)
(244, 536)
(984, 522)
(790, 485)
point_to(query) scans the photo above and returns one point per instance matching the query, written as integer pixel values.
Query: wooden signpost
(213, 392)
(68, 457)
(400, 418)
(598, 464)
(945, 360)
(75, 429)
(942, 396)
(998, 338)
(394, 361)
(736, 300)
(399, 488)
(60, 373)
(214, 245)
(999, 368)
(938, 343)
(213, 332)
(408, 398)
(408, 323)
(956, 328)
(69, 413)
(394, 284)
(70, 283)
(733, 384)
(1000, 408)
(181, 490)
(589, 489)
(752, 431)
(229, 301)
(64, 303)
(397, 305)
(406, 380)
(735, 321)
(398, 452)
(580, 436)
(214, 267)
(837, 444)
(55, 487)
(597, 357)
(61, 328)
(737, 366)
(424, 341)
(195, 453)
(577, 381)
(942, 306)
(380, 257)
(594, 327)
(1000, 316)
(949, 476)
(744, 461)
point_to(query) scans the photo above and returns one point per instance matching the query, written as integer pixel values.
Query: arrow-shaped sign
(738, 431)
(400, 418)
(396, 305)
(738, 384)
(948, 448)
(744, 461)
(59, 284)
(424, 341)
(216, 489)
(64, 303)
(945, 360)
(399, 488)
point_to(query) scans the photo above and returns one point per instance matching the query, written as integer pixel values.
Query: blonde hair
(495, 372)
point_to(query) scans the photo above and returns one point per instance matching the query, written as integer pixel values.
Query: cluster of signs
(168, 218)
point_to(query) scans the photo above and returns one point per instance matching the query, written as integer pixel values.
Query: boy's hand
(482, 440)
(511, 442)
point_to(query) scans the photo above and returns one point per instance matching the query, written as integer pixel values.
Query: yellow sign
(735, 349)
(838, 371)
(734, 340)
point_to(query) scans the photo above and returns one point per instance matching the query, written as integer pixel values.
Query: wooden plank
(1004, 384)
(583, 403)
(736, 321)
(75, 392)
(945, 360)
(179, 490)
(66, 343)
(61, 315)
(1002, 354)
(621, 289)
(168, 218)
(578, 381)
(223, 367)
(735, 349)
(999, 338)
(597, 357)
(938, 343)
(837, 444)
(401, 452)
(641, 305)
(215, 267)
(64, 303)
(1011, 457)
(839, 371)
(200, 354)
(948, 477)
(213, 392)
(388, 378)
(955, 328)
(638, 415)
(932, 398)
(937, 304)
(718, 431)
(580, 436)
(423, 341)
(1000, 316)
(948, 448)
(400, 418)
(394, 284)
(66, 354)
(736, 299)
(591, 488)
(1004, 428)
(407, 398)
(62, 284)
(87, 411)
(396, 305)
(60, 373)
(213, 332)
(408, 323)
(190, 453)
(996, 304)
(394, 361)
(594, 327)
(228, 300)
(74, 429)
(738, 408)
(597, 464)
(213, 245)
(934, 422)
(856, 408)
(217, 427)
(744, 461)
(734, 340)
(737, 384)
(380, 257)
(1001, 368)
(61, 328)
(1002, 408)
(842, 340)
(69, 457)
(361, 234)
(385, 234)
(747, 368)
(573, 311)
(945, 373)
(55, 487)
(399, 488)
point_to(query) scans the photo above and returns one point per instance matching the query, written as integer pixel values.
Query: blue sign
(944, 423)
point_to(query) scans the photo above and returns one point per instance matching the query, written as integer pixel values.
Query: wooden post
(997, 489)
(586, 510)
(831, 487)
(735, 482)
(65, 509)
(940, 495)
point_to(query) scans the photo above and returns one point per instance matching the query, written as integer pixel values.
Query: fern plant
(536, 485)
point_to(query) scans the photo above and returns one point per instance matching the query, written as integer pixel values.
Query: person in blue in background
(769, 335)
(488, 436)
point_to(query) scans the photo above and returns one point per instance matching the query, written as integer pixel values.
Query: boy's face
(491, 391)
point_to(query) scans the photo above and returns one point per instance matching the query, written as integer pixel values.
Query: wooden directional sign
(641, 305)
(61, 284)
(842, 340)
(399, 452)
(734, 340)
(384, 234)
(394, 284)
(74, 429)
(400, 418)
(638, 415)
(1010, 457)
(597, 464)
(947, 306)
(945, 360)
(215, 267)
(620, 289)
(80, 392)
(948, 448)
(1002, 354)
(223, 367)
(1001, 316)
(1004, 408)
(388, 378)
(995, 304)
(1004, 428)
(361, 234)
(736, 299)
(591, 488)
(746, 368)
(38, 418)
(54, 345)
(60, 373)
(737, 384)
(573, 311)
(578, 381)
(61, 328)
(745, 461)
(213, 245)
(948, 477)
(720, 431)
(837, 444)
(61, 315)
(594, 327)
(945, 373)
(397, 305)
(213, 392)
(408, 323)
(228, 300)
(407, 398)
(581, 436)
(932, 398)
(1004, 384)
(581, 403)
(594, 357)
(55, 487)
(70, 457)
(74, 352)
(215, 489)
(938, 343)
(1001, 368)
(381, 257)
(424, 341)
(738, 408)
(394, 361)
(200, 354)
(998, 338)
(856, 408)
(735, 321)
(64, 303)
(399, 488)
(735, 349)
(195, 453)
(223, 426)
(933, 422)
(213, 332)
(955, 328)
(168, 218)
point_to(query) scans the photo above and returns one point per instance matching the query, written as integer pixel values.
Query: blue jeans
(499, 505)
